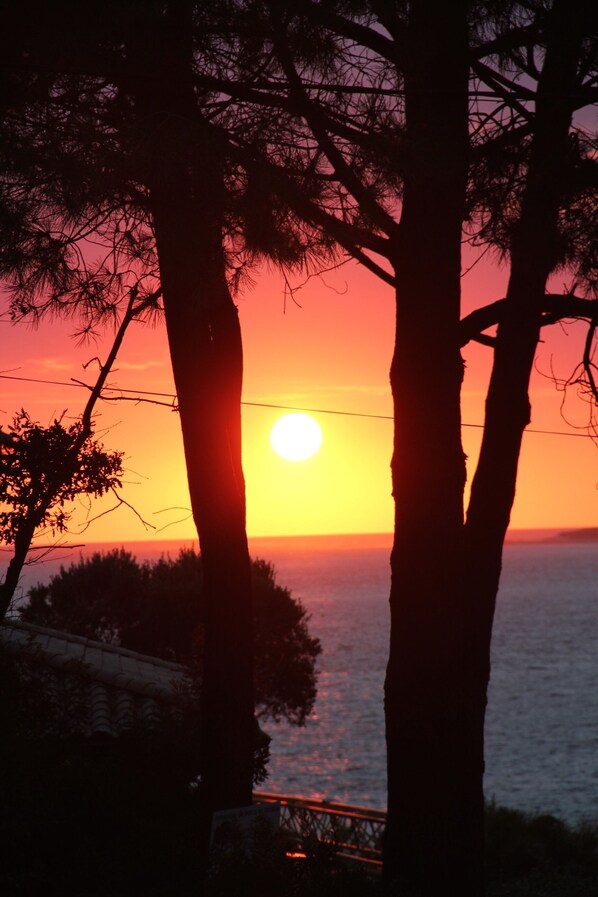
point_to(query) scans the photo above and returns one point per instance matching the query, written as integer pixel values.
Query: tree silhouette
(108, 133)
(44, 469)
(152, 608)
(398, 130)
(433, 125)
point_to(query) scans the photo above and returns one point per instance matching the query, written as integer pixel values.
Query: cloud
(51, 363)
(138, 365)
(57, 363)
(329, 393)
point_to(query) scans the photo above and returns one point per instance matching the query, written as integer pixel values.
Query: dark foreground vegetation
(152, 608)
(118, 816)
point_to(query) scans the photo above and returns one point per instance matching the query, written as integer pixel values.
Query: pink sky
(333, 352)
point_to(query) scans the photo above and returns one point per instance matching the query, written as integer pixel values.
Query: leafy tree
(108, 132)
(152, 608)
(46, 469)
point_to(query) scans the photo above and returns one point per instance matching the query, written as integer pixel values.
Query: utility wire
(169, 395)
(141, 392)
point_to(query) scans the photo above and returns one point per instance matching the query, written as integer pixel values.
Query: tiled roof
(120, 688)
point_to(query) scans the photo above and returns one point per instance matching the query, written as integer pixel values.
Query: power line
(74, 383)
(323, 411)
(169, 395)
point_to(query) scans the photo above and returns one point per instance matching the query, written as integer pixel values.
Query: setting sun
(296, 437)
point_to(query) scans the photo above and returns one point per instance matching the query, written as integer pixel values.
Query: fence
(355, 832)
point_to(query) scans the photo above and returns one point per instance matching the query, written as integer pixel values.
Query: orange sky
(333, 352)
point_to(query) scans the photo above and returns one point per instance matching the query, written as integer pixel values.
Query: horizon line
(380, 534)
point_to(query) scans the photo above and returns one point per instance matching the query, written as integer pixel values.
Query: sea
(542, 718)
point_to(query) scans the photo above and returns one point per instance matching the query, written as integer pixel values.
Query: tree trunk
(434, 802)
(507, 405)
(206, 356)
(21, 548)
(206, 352)
(445, 576)
(187, 196)
(533, 258)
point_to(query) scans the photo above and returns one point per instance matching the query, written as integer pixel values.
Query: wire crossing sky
(145, 392)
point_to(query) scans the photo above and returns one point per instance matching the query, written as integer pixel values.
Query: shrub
(155, 608)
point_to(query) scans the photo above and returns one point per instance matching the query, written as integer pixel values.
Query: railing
(355, 832)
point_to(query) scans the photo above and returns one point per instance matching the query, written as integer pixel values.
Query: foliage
(530, 854)
(47, 470)
(112, 140)
(154, 608)
(28, 712)
(46, 467)
(89, 814)
(116, 816)
(92, 172)
(127, 807)
(256, 863)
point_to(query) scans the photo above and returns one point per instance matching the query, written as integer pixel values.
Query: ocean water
(542, 721)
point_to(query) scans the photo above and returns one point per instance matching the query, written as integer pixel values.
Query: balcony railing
(355, 832)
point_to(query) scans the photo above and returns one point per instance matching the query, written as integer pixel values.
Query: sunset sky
(330, 351)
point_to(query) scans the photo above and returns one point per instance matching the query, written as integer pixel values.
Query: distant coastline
(338, 542)
(145, 548)
(276, 549)
(527, 536)
(587, 534)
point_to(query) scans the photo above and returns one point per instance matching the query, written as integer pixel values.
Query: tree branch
(555, 307)
(510, 40)
(359, 33)
(133, 310)
(351, 237)
(588, 363)
(510, 91)
(317, 123)
(120, 501)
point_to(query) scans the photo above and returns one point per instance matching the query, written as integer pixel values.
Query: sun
(296, 437)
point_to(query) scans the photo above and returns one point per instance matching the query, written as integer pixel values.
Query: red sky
(333, 352)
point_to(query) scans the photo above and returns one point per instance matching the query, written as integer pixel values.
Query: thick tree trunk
(187, 196)
(507, 405)
(445, 576)
(434, 799)
(205, 347)
(532, 260)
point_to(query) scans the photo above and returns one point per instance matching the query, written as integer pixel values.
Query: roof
(121, 688)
